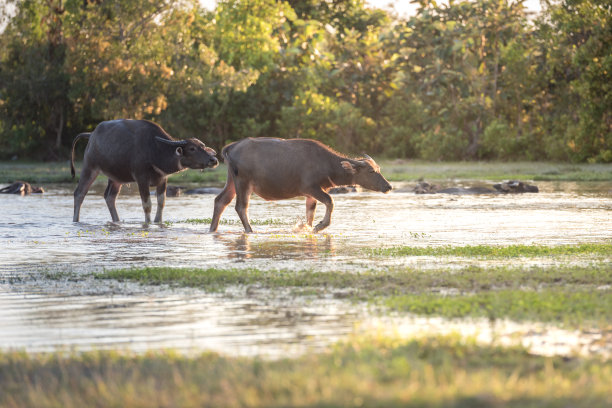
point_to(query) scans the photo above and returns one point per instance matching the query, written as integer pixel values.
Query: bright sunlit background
(403, 8)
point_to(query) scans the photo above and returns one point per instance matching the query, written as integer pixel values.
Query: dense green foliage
(469, 80)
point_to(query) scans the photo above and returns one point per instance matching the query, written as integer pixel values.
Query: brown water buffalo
(277, 169)
(136, 150)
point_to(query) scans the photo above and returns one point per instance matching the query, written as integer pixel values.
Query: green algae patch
(492, 251)
(363, 371)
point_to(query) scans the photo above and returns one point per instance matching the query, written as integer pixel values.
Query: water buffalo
(22, 188)
(277, 169)
(136, 150)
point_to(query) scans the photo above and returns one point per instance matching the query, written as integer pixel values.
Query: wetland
(425, 290)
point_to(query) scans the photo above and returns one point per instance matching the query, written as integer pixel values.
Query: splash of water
(301, 226)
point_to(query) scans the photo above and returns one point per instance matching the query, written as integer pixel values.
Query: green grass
(491, 251)
(214, 176)
(571, 308)
(364, 371)
(410, 170)
(573, 296)
(59, 172)
(34, 172)
(394, 170)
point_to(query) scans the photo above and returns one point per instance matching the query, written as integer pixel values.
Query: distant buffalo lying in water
(22, 188)
(514, 186)
(136, 150)
(511, 186)
(277, 169)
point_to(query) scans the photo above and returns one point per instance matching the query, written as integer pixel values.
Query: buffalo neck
(339, 176)
(167, 161)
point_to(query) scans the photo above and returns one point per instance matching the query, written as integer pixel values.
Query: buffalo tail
(76, 139)
(225, 154)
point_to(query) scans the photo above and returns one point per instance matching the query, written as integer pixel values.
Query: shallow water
(38, 238)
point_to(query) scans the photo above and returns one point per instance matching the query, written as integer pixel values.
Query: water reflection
(278, 246)
(161, 319)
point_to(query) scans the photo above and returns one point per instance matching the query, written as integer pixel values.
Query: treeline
(466, 81)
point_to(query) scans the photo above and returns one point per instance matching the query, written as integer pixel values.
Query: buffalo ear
(349, 167)
(179, 151)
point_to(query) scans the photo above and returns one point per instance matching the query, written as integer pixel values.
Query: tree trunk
(60, 130)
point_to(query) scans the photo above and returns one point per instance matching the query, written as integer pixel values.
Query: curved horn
(180, 143)
(365, 156)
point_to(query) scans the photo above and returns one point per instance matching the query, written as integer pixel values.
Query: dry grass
(370, 371)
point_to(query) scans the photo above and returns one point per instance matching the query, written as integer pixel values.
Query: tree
(575, 37)
(33, 83)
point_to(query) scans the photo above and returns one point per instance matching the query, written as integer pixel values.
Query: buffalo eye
(192, 149)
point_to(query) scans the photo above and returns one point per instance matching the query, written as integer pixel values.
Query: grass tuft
(366, 371)
(491, 251)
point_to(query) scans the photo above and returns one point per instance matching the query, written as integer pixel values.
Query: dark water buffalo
(514, 186)
(511, 186)
(277, 169)
(136, 150)
(22, 188)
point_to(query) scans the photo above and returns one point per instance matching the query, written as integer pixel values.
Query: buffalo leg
(161, 200)
(326, 199)
(110, 195)
(243, 194)
(86, 179)
(222, 201)
(145, 196)
(311, 206)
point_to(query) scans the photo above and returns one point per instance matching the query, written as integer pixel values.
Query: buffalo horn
(179, 143)
(365, 156)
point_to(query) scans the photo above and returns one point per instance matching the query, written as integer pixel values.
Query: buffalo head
(366, 173)
(192, 153)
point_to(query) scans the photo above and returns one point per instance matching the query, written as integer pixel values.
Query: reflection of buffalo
(22, 188)
(299, 248)
(511, 186)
